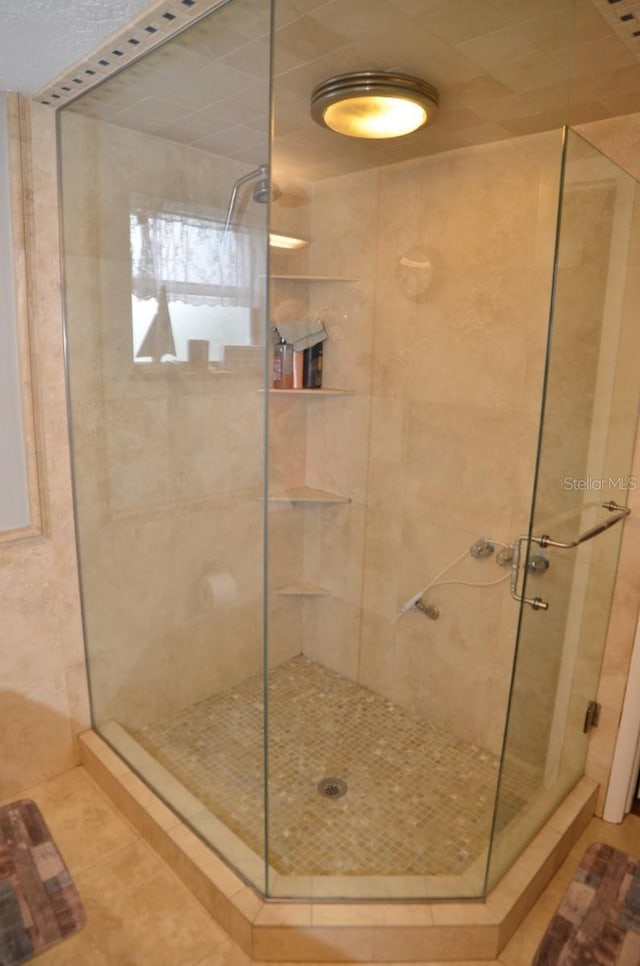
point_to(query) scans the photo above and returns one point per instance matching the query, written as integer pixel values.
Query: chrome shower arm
(261, 172)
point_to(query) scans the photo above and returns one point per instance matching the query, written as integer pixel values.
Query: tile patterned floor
(140, 914)
(419, 801)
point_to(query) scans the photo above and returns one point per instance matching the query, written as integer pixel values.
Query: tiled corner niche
(342, 931)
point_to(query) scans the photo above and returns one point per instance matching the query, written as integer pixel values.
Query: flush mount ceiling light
(374, 104)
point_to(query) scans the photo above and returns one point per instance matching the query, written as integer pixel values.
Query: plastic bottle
(298, 369)
(312, 374)
(282, 372)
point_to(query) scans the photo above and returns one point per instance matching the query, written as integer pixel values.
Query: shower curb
(342, 931)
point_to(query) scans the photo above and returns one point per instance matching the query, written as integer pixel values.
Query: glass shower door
(588, 426)
(165, 256)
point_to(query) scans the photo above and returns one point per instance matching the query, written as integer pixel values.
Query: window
(191, 281)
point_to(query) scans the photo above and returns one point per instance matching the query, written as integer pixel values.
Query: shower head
(263, 192)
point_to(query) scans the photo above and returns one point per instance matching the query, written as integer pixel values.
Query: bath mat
(39, 904)
(598, 920)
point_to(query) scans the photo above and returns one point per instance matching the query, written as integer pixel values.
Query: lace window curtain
(183, 252)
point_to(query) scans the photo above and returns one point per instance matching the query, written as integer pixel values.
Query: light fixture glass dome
(374, 104)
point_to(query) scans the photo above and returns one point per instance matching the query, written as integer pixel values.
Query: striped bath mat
(39, 904)
(598, 920)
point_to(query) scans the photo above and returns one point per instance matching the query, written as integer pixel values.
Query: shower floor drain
(332, 787)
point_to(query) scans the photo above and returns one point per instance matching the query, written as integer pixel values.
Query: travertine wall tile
(442, 337)
(43, 703)
(618, 139)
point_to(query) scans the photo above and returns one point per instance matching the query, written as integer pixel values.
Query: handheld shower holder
(429, 610)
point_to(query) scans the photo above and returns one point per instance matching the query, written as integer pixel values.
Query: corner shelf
(312, 278)
(311, 392)
(303, 588)
(307, 494)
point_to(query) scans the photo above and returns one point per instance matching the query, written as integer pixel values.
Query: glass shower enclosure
(251, 558)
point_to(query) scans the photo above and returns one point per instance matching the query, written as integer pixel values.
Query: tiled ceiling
(502, 67)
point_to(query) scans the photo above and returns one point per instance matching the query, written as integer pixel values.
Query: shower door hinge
(592, 716)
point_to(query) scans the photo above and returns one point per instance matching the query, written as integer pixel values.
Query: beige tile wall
(444, 385)
(43, 695)
(344, 230)
(499, 268)
(593, 291)
(468, 379)
(169, 463)
(618, 138)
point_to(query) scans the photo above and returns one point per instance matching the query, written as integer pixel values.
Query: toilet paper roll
(216, 590)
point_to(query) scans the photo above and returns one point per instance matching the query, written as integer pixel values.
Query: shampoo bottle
(282, 373)
(298, 369)
(312, 373)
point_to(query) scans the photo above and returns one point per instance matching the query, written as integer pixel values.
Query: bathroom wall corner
(617, 138)
(43, 700)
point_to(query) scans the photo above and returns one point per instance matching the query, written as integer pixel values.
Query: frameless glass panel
(429, 262)
(165, 304)
(587, 436)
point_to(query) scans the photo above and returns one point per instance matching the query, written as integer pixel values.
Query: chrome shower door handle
(619, 513)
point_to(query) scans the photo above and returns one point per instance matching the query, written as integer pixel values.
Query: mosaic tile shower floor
(419, 801)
